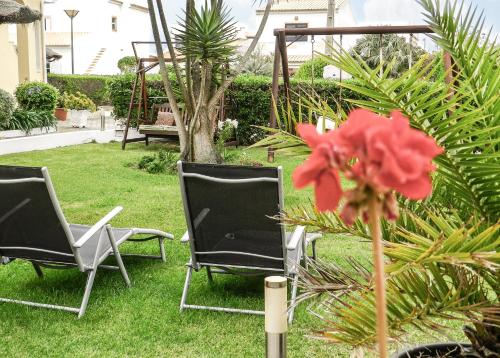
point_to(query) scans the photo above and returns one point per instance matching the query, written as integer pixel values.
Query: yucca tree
(205, 39)
(442, 255)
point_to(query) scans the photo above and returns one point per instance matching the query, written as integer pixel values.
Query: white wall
(93, 32)
(343, 17)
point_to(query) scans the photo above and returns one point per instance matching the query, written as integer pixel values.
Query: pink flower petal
(328, 191)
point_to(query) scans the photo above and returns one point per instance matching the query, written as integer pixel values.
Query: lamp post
(72, 14)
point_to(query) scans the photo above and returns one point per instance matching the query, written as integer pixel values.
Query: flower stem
(378, 255)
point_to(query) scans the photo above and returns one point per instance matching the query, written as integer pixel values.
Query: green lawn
(143, 321)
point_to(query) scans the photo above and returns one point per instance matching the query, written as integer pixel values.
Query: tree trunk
(204, 150)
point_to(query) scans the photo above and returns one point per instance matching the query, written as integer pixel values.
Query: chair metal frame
(105, 231)
(296, 242)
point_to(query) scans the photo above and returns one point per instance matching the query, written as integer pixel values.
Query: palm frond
(422, 300)
(445, 240)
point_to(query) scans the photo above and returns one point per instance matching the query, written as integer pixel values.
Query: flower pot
(61, 114)
(79, 118)
(450, 350)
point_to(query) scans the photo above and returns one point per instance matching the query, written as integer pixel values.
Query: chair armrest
(98, 226)
(297, 238)
(313, 236)
(185, 237)
(143, 231)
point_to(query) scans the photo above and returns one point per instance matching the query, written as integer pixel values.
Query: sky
(366, 12)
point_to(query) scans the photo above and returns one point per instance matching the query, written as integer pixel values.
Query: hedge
(94, 86)
(248, 99)
(120, 88)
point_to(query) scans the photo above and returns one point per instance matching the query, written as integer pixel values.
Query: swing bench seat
(158, 130)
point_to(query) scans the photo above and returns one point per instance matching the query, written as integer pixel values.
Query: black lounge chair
(232, 227)
(33, 228)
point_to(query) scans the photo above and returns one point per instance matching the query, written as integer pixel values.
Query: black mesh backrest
(29, 219)
(234, 217)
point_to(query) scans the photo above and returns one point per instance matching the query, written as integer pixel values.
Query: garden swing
(153, 116)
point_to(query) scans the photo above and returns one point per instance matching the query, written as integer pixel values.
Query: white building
(304, 14)
(103, 31)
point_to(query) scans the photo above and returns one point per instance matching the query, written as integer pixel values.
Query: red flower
(391, 155)
(321, 168)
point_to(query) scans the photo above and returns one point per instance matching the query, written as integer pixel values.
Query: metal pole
(274, 95)
(410, 60)
(381, 59)
(284, 64)
(276, 323)
(103, 120)
(330, 22)
(72, 50)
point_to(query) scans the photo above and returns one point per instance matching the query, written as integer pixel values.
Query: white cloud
(392, 12)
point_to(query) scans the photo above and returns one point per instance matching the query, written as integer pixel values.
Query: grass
(143, 321)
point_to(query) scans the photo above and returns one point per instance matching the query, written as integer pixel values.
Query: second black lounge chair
(230, 214)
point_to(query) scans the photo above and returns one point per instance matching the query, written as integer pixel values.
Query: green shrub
(7, 105)
(94, 86)
(127, 64)
(248, 99)
(37, 96)
(26, 120)
(120, 88)
(309, 67)
(162, 162)
(78, 101)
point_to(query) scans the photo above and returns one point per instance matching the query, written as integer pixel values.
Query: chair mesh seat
(87, 251)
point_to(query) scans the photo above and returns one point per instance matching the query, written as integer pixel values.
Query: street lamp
(72, 14)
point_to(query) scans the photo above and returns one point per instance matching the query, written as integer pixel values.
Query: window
(114, 23)
(296, 38)
(47, 22)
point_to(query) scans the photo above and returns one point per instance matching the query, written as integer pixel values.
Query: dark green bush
(120, 88)
(26, 120)
(94, 86)
(7, 105)
(37, 96)
(309, 67)
(248, 99)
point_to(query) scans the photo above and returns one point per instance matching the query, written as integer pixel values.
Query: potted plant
(60, 112)
(441, 257)
(79, 106)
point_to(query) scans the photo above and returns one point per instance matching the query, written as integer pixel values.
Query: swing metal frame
(281, 55)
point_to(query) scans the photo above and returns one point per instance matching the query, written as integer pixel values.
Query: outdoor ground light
(276, 316)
